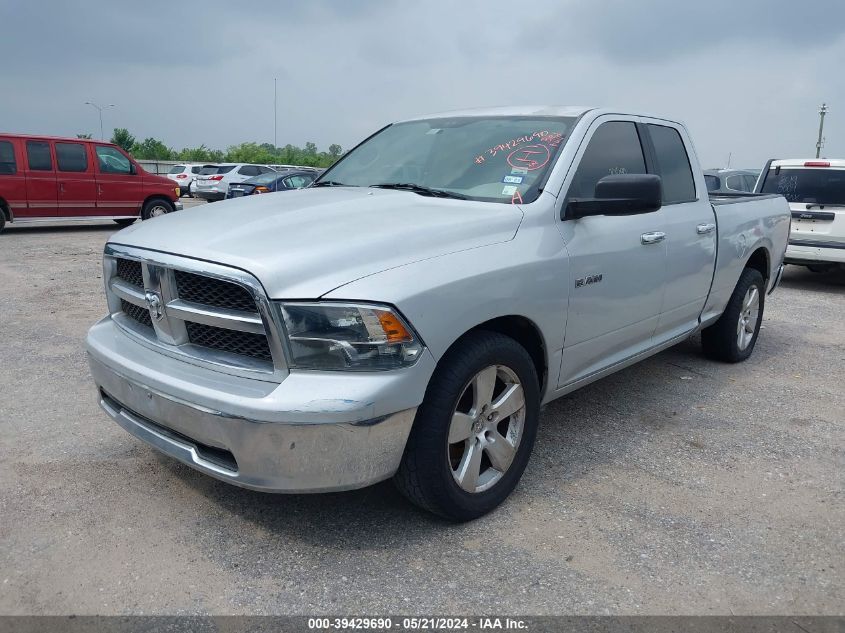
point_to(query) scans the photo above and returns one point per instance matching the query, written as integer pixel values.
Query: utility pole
(820, 142)
(275, 118)
(100, 110)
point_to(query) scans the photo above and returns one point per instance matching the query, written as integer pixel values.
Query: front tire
(156, 208)
(732, 338)
(475, 429)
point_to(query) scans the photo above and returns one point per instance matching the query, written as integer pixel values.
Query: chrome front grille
(243, 343)
(137, 313)
(130, 271)
(213, 292)
(203, 313)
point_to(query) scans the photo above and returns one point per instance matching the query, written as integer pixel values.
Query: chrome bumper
(244, 438)
(178, 206)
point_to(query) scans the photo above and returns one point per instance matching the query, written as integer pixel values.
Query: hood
(302, 244)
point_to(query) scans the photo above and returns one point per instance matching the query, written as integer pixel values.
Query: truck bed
(718, 199)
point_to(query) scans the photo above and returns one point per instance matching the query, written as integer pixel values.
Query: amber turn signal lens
(261, 190)
(393, 328)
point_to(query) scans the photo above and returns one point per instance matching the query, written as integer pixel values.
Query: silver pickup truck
(408, 314)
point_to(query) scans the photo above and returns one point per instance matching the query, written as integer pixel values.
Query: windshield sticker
(517, 180)
(530, 157)
(509, 190)
(516, 198)
(517, 170)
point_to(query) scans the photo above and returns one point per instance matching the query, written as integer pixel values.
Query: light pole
(820, 142)
(275, 118)
(100, 110)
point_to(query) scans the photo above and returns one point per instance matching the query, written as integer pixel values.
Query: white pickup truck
(408, 314)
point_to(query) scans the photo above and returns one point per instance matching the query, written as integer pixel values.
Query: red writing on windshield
(530, 157)
(552, 139)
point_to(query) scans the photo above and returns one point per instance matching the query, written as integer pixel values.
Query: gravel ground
(676, 486)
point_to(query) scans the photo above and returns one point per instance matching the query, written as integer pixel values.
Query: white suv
(213, 181)
(183, 175)
(815, 189)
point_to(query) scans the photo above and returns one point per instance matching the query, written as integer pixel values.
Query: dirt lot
(676, 486)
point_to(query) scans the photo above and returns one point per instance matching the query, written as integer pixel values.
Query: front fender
(445, 297)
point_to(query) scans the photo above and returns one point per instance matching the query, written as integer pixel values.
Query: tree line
(262, 154)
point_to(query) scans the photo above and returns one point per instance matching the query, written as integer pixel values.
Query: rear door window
(71, 157)
(38, 156)
(8, 165)
(614, 149)
(812, 186)
(673, 165)
(736, 182)
(249, 170)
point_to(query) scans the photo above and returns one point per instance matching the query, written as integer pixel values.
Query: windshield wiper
(423, 191)
(330, 183)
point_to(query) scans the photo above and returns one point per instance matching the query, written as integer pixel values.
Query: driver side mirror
(623, 194)
(132, 169)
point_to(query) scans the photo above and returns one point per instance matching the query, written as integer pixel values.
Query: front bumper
(313, 432)
(178, 206)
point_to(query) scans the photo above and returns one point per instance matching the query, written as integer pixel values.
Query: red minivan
(45, 179)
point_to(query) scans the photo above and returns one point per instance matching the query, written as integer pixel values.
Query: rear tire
(732, 338)
(470, 442)
(125, 222)
(2, 219)
(156, 208)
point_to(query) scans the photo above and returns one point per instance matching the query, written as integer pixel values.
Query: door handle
(653, 238)
(61, 187)
(704, 229)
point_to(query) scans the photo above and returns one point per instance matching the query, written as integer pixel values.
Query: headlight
(348, 337)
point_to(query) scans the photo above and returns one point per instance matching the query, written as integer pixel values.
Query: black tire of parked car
(151, 207)
(2, 219)
(425, 474)
(125, 221)
(720, 340)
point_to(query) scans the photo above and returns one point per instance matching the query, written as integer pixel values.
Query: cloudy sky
(747, 76)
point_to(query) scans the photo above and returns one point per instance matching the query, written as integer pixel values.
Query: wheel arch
(525, 332)
(760, 260)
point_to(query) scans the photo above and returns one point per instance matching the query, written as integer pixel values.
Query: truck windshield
(491, 159)
(813, 186)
